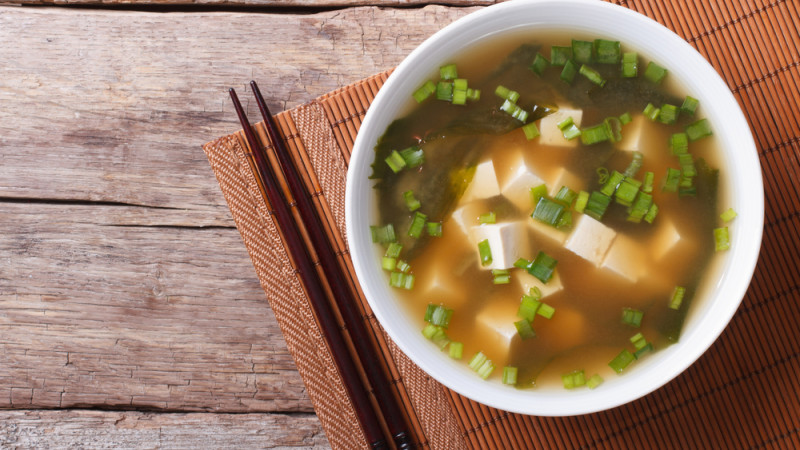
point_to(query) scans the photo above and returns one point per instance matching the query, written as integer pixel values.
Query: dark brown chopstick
(316, 294)
(368, 355)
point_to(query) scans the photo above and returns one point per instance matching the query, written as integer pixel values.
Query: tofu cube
(441, 282)
(634, 132)
(494, 326)
(506, 240)
(466, 216)
(666, 239)
(563, 177)
(590, 239)
(552, 135)
(484, 183)
(626, 258)
(517, 186)
(526, 281)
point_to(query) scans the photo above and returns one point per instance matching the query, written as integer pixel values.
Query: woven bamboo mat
(742, 393)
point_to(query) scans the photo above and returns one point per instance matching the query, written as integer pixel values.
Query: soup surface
(493, 181)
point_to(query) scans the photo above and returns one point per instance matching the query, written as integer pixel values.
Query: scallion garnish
(622, 360)
(434, 229)
(614, 126)
(592, 75)
(672, 180)
(626, 193)
(721, 239)
(444, 90)
(611, 184)
(638, 341)
(456, 350)
(651, 112)
(437, 335)
(625, 118)
(485, 252)
(424, 91)
(506, 93)
(411, 202)
(597, 133)
(539, 64)
(559, 55)
(542, 267)
(393, 250)
(689, 105)
(396, 161)
(384, 234)
(654, 72)
(597, 205)
(388, 263)
(565, 196)
(489, 217)
(402, 266)
(569, 71)
(535, 293)
(679, 143)
(606, 52)
(417, 224)
(677, 297)
(632, 317)
(728, 215)
(501, 276)
(440, 316)
(482, 365)
(401, 280)
(648, 347)
(630, 65)
(448, 72)
(668, 114)
(640, 207)
(528, 306)
(602, 175)
(699, 129)
(594, 381)
(413, 156)
(651, 213)
(581, 51)
(647, 184)
(546, 311)
(574, 379)
(580, 201)
(537, 193)
(635, 164)
(525, 329)
(548, 211)
(510, 375)
(429, 311)
(530, 130)
(514, 111)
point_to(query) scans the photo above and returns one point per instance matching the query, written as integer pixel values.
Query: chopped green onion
(569, 71)
(388, 263)
(728, 215)
(688, 169)
(611, 184)
(651, 213)
(448, 72)
(592, 75)
(625, 118)
(434, 229)
(509, 375)
(459, 97)
(501, 276)
(654, 72)
(647, 185)
(539, 64)
(614, 126)
(632, 317)
(560, 55)
(699, 129)
(525, 329)
(460, 84)
(669, 114)
(648, 347)
(721, 239)
(574, 379)
(580, 201)
(489, 217)
(393, 250)
(546, 311)
(444, 90)
(417, 224)
(429, 311)
(482, 365)
(548, 211)
(396, 161)
(626, 193)
(384, 234)
(565, 196)
(582, 51)
(456, 350)
(635, 165)
(597, 133)
(622, 360)
(411, 201)
(651, 112)
(606, 52)
(424, 91)
(638, 341)
(437, 335)
(402, 266)
(594, 381)
(671, 180)
(597, 205)
(534, 293)
(530, 130)
(568, 128)
(630, 65)
(485, 252)
(477, 361)
(689, 105)
(602, 174)
(413, 156)
(506, 93)
(538, 192)
(677, 297)
(401, 280)
(542, 267)
(514, 111)
(473, 95)
(441, 316)
(528, 306)
(640, 207)
(679, 143)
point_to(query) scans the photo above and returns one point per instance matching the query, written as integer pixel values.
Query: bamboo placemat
(742, 393)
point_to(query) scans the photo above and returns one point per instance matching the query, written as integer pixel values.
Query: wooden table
(130, 313)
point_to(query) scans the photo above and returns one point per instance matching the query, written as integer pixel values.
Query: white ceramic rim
(701, 80)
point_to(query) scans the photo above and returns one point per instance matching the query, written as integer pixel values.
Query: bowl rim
(734, 277)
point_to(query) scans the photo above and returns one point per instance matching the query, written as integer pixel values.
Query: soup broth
(477, 160)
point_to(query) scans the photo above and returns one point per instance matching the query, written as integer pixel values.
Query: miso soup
(547, 208)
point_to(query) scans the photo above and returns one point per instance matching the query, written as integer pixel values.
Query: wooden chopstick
(316, 294)
(366, 352)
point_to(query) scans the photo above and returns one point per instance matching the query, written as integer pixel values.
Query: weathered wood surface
(251, 3)
(123, 283)
(132, 430)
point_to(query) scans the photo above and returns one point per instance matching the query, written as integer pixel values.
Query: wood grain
(311, 4)
(124, 284)
(134, 430)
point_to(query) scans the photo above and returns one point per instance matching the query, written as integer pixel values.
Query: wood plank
(312, 4)
(135, 430)
(124, 284)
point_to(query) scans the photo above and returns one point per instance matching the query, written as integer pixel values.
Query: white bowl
(740, 161)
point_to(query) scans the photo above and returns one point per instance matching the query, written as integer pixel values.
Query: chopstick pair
(366, 353)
